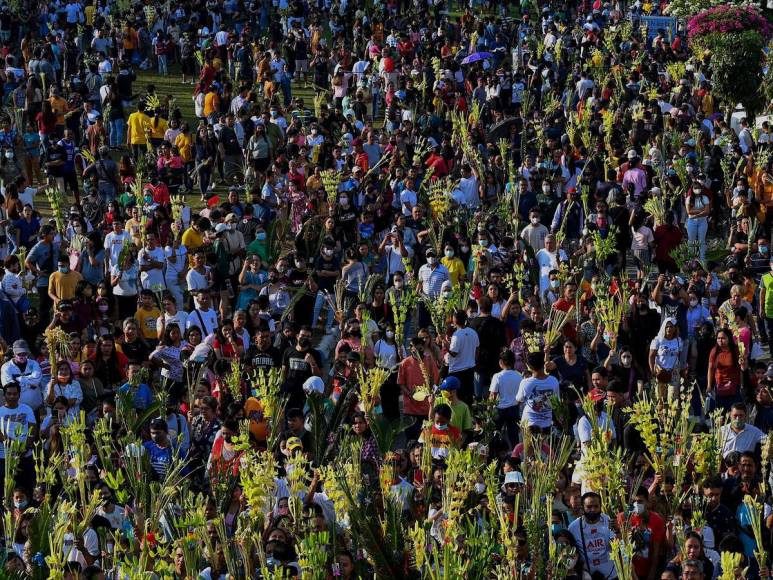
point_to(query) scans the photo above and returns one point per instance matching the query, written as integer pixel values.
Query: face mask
(534, 221)
(299, 264)
(231, 227)
(103, 307)
(260, 236)
(274, 114)
(281, 269)
(327, 252)
(555, 528)
(638, 508)
(344, 201)
(62, 378)
(432, 260)
(148, 199)
(440, 427)
(466, 249)
(63, 269)
(398, 284)
(555, 283)
(484, 243)
(449, 254)
(9, 154)
(763, 249)
(20, 505)
(738, 423)
(592, 517)
(389, 334)
(546, 189)
(480, 488)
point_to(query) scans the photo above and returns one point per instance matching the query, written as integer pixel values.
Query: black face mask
(592, 516)
(304, 342)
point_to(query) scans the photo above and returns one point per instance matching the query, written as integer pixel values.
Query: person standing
(593, 535)
(17, 422)
(41, 261)
(491, 334)
(462, 356)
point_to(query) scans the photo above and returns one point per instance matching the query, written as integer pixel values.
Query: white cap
(220, 228)
(314, 385)
(514, 477)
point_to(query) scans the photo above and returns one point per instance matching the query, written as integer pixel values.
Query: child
(147, 316)
(461, 418)
(142, 396)
(12, 284)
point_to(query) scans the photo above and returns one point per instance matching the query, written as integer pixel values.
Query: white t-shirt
(535, 394)
(594, 540)
(196, 281)
(205, 318)
(180, 318)
(505, 384)
(173, 270)
(155, 277)
(15, 423)
(90, 543)
(642, 238)
(464, 342)
(547, 261)
(114, 244)
(667, 352)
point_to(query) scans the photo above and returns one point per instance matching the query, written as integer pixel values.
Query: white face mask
(480, 488)
(398, 284)
(638, 508)
(431, 260)
(327, 252)
(467, 249)
(546, 188)
(483, 243)
(344, 201)
(449, 253)
(389, 334)
(534, 221)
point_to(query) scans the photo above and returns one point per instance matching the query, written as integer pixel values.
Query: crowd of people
(402, 272)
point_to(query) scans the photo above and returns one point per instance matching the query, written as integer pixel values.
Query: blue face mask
(260, 236)
(555, 528)
(63, 269)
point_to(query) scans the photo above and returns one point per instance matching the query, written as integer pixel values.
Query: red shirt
(570, 330)
(655, 528)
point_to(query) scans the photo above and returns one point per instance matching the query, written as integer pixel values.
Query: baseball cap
(20, 347)
(450, 384)
(220, 228)
(632, 154)
(231, 217)
(294, 443)
(597, 395)
(514, 477)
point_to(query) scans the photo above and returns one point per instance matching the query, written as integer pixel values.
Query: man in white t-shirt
(548, 258)
(535, 233)
(17, 423)
(593, 534)
(462, 355)
(504, 390)
(203, 315)
(151, 261)
(114, 242)
(535, 392)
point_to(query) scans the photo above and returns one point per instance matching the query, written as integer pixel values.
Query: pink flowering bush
(726, 19)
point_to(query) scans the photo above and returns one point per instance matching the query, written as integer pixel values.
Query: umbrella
(501, 129)
(476, 56)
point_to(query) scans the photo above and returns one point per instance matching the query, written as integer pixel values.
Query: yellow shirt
(455, 269)
(59, 105)
(192, 240)
(211, 103)
(138, 123)
(63, 285)
(184, 144)
(158, 128)
(147, 320)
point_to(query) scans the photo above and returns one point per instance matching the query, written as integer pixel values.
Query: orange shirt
(259, 429)
(409, 375)
(211, 103)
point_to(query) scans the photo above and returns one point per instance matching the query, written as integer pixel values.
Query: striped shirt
(432, 279)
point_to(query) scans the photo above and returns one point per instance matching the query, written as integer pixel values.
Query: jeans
(162, 68)
(117, 132)
(318, 310)
(696, 232)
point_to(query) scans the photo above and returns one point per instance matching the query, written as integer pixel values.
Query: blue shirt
(143, 396)
(45, 257)
(160, 457)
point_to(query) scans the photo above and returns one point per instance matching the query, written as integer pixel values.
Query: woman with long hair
(110, 364)
(725, 372)
(168, 355)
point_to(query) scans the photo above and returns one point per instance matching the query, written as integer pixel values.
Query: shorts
(302, 66)
(188, 65)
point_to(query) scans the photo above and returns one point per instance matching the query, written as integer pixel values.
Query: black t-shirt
(298, 370)
(229, 141)
(135, 351)
(56, 153)
(263, 359)
(322, 265)
(491, 334)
